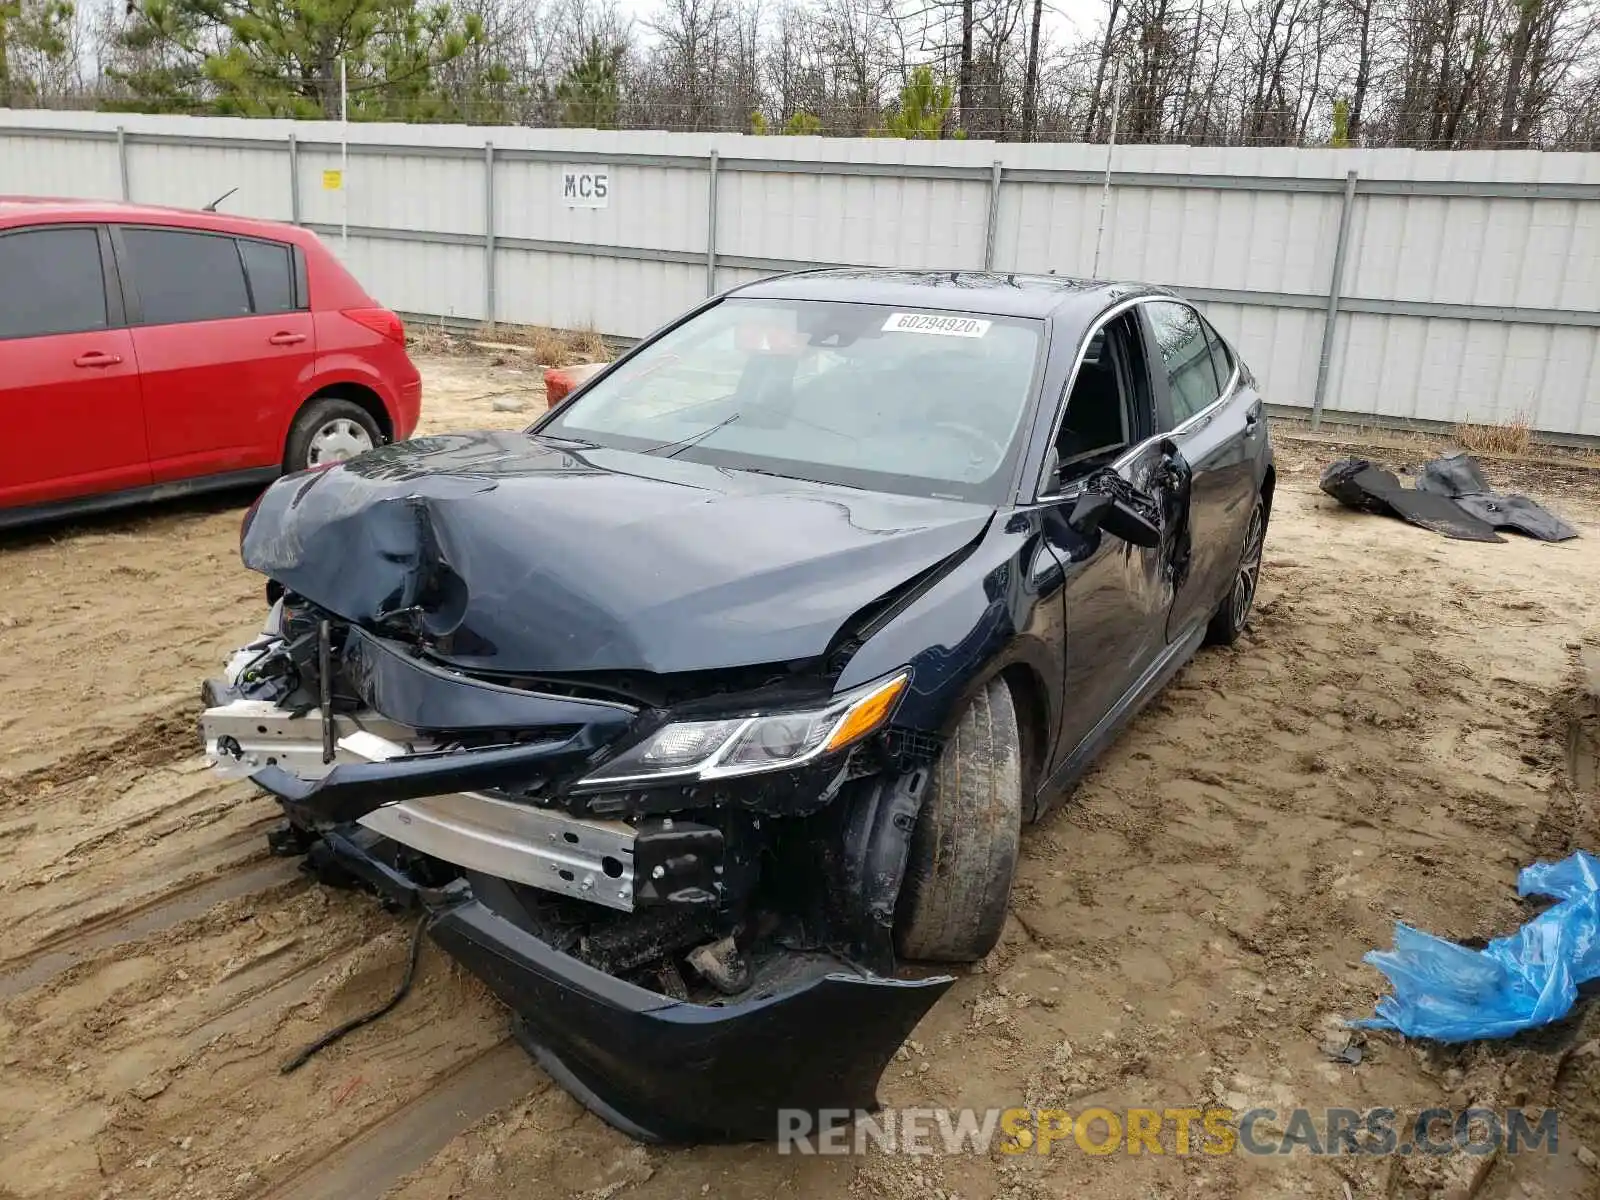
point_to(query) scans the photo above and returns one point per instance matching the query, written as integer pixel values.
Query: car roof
(995, 293)
(28, 210)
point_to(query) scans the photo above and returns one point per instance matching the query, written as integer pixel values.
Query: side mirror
(1118, 515)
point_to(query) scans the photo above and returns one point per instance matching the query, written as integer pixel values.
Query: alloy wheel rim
(337, 441)
(1244, 584)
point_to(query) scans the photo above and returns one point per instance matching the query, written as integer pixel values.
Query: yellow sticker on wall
(332, 181)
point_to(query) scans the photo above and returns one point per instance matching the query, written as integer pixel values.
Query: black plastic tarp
(1356, 483)
(1459, 478)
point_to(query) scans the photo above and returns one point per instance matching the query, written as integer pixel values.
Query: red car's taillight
(380, 320)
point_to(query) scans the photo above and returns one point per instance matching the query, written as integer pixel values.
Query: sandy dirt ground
(1405, 725)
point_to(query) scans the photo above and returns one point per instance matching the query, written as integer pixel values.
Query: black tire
(1231, 617)
(318, 416)
(952, 904)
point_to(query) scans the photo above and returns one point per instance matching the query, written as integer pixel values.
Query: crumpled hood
(512, 553)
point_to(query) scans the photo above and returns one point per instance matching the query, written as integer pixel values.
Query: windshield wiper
(679, 446)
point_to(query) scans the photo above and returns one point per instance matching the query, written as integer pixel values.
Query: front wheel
(329, 430)
(964, 848)
(1234, 614)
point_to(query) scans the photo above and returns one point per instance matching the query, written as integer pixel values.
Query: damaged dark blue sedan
(696, 716)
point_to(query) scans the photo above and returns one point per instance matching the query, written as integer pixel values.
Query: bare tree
(681, 71)
(1030, 90)
(1107, 42)
(1430, 73)
(1360, 13)
(853, 39)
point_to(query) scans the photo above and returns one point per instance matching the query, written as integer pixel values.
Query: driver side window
(1103, 403)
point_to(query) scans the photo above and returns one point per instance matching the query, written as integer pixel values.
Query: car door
(1215, 419)
(69, 378)
(226, 348)
(1117, 595)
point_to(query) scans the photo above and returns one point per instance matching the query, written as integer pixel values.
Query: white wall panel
(32, 166)
(1264, 249)
(445, 281)
(1571, 399)
(1182, 237)
(865, 220)
(620, 296)
(1466, 250)
(659, 208)
(392, 191)
(194, 176)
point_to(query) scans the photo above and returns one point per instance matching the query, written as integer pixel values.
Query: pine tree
(924, 107)
(588, 94)
(281, 58)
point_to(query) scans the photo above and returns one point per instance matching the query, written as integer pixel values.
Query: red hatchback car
(146, 352)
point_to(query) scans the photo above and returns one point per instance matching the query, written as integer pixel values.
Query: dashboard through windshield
(920, 402)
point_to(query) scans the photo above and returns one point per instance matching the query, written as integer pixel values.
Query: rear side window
(1181, 342)
(51, 281)
(1221, 356)
(186, 276)
(267, 266)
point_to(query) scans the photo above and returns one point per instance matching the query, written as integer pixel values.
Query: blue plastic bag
(1453, 994)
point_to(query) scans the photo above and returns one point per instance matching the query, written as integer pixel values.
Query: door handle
(287, 339)
(97, 358)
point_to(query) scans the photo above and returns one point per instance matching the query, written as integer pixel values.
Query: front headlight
(695, 750)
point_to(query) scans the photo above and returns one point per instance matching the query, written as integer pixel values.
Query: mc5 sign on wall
(585, 187)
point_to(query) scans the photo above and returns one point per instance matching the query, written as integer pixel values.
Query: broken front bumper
(665, 1070)
(814, 1033)
(814, 1036)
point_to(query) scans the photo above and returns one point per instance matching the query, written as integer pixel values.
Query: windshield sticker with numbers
(945, 326)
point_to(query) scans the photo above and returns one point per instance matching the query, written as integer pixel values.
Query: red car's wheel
(330, 430)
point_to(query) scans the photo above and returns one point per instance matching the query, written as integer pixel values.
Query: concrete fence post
(711, 227)
(1335, 285)
(122, 162)
(294, 180)
(994, 216)
(490, 299)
